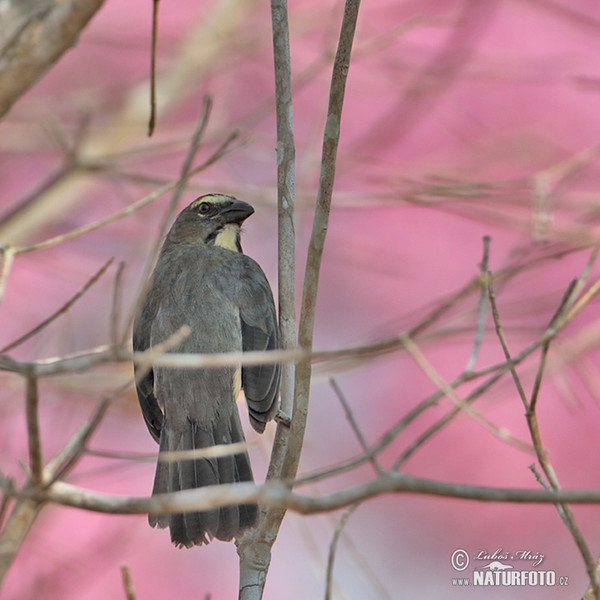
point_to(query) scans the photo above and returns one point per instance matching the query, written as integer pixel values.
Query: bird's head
(213, 220)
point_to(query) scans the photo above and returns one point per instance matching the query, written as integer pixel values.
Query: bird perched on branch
(203, 280)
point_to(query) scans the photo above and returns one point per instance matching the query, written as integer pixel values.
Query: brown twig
(186, 169)
(333, 548)
(127, 582)
(62, 310)
(128, 210)
(357, 431)
(564, 510)
(115, 306)
(8, 257)
(464, 406)
(33, 429)
(288, 441)
(278, 494)
(26, 510)
(482, 305)
(317, 240)
(152, 119)
(254, 547)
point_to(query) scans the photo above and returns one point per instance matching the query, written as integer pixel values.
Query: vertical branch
(286, 155)
(33, 430)
(152, 120)
(115, 310)
(255, 547)
(331, 138)
(8, 256)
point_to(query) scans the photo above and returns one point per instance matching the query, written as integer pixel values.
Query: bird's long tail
(224, 523)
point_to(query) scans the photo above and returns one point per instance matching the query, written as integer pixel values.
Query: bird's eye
(204, 208)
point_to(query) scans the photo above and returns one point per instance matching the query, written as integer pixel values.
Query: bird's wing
(259, 332)
(144, 376)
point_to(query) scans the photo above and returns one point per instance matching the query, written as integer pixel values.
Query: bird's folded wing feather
(259, 333)
(144, 376)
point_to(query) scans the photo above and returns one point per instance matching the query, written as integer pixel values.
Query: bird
(204, 281)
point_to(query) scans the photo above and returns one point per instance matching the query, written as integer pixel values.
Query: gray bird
(203, 280)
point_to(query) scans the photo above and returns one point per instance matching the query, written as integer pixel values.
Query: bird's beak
(237, 212)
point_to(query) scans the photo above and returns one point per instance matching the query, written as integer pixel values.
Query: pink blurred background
(455, 112)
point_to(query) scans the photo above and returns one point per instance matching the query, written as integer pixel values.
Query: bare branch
(429, 370)
(26, 510)
(34, 35)
(286, 196)
(186, 170)
(14, 531)
(62, 310)
(8, 257)
(115, 306)
(127, 583)
(354, 425)
(152, 120)
(128, 210)
(317, 241)
(333, 548)
(278, 494)
(563, 509)
(254, 547)
(33, 429)
(482, 306)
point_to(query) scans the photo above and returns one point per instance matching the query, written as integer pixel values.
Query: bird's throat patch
(229, 237)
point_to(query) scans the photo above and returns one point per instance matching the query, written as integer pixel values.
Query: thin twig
(288, 442)
(152, 119)
(160, 349)
(79, 231)
(449, 391)
(212, 452)
(331, 136)
(482, 305)
(333, 548)
(128, 210)
(62, 310)
(582, 279)
(56, 469)
(503, 344)
(127, 583)
(539, 477)
(565, 301)
(33, 430)
(447, 418)
(7, 262)
(354, 425)
(26, 510)
(577, 306)
(564, 510)
(115, 308)
(185, 171)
